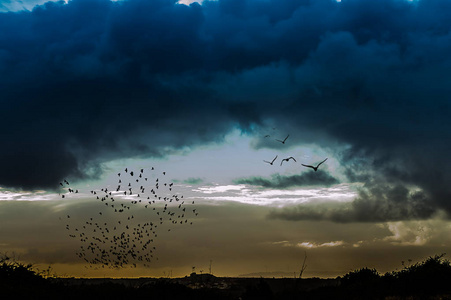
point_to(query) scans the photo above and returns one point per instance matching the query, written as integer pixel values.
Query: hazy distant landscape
(428, 279)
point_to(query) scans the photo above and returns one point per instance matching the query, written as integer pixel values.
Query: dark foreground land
(430, 279)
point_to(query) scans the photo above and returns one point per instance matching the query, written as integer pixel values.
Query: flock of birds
(315, 168)
(124, 229)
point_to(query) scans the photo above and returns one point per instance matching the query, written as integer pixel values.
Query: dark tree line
(429, 279)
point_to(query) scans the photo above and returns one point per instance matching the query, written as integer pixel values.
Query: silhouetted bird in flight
(271, 162)
(283, 142)
(287, 159)
(314, 168)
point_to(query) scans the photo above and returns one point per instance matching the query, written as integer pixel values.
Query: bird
(283, 142)
(314, 168)
(271, 162)
(287, 159)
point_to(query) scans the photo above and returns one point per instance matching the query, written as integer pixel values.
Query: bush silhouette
(363, 283)
(12, 272)
(362, 276)
(432, 276)
(19, 280)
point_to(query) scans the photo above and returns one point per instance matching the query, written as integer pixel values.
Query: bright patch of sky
(275, 197)
(25, 196)
(222, 162)
(310, 244)
(214, 167)
(315, 245)
(188, 2)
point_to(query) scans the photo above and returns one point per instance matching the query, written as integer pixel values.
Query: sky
(205, 92)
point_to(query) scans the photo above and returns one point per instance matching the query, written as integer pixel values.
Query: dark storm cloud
(80, 86)
(380, 203)
(90, 81)
(320, 178)
(193, 180)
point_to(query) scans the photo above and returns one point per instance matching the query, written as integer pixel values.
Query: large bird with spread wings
(271, 162)
(314, 168)
(283, 142)
(287, 159)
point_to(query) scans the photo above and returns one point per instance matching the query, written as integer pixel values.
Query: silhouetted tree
(430, 277)
(361, 284)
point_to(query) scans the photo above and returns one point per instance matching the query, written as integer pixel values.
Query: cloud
(221, 189)
(26, 196)
(77, 85)
(193, 180)
(310, 244)
(408, 235)
(314, 245)
(320, 178)
(376, 204)
(92, 81)
(18, 5)
(417, 233)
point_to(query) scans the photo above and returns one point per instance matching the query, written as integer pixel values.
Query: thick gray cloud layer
(91, 81)
(378, 204)
(320, 178)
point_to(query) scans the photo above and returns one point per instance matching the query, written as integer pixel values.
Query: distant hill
(273, 274)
